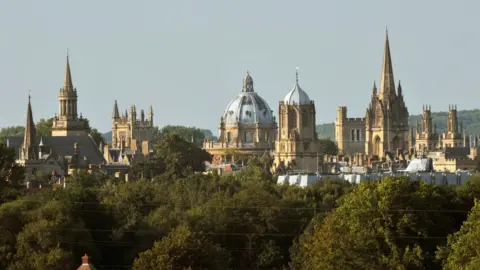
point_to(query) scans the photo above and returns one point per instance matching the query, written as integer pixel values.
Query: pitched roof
(63, 146)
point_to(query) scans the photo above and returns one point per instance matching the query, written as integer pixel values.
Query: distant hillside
(469, 118)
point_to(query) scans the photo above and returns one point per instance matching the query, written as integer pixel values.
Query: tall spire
(68, 76)
(30, 132)
(116, 113)
(387, 82)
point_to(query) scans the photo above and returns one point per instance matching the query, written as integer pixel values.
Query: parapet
(356, 119)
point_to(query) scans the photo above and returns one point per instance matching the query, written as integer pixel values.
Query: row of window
(355, 135)
(292, 119)
(248, 137)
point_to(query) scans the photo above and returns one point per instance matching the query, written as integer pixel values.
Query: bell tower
(67, 123)
(295, 146)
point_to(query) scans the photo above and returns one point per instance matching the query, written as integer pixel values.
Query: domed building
(247, 127)
(296, 144)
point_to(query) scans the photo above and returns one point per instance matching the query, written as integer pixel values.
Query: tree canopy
(175, 216)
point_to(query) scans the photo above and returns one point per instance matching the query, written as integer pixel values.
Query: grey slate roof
(456, 152)
(63, 146)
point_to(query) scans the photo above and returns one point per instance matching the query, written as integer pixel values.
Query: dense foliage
(177, 217)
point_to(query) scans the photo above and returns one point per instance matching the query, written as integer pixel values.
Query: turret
(466, 142)
(115, 114)
(341, 114)
(133, 115)
(41, 149)
(142, 116)
(399, 90)
(150, 115)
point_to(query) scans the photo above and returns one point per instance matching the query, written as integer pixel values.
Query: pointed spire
(30, 133)
(387, 82)
(399, 89)
(116, 113)
(374, 89)
(68, 76)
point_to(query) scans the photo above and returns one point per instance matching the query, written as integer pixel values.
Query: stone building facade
(452, 137)
(297, 136)
(426, 137)
(130, 132)
(247, 127)
(385, 126)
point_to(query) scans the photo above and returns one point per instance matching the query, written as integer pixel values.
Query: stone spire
(387, 82)
(68, 85)
(116, 113)
(374, 89)
(30, 132)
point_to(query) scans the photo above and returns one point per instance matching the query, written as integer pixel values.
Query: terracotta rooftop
(86, 265)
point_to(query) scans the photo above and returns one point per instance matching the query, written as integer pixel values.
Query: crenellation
(356, 119)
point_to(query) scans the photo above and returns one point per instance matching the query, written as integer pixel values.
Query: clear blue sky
(188, 58)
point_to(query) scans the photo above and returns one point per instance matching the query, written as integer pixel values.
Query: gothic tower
(427, 137)
(296, 137)
(67, 123)
(386, 121)
(452, 137)
(130, 132)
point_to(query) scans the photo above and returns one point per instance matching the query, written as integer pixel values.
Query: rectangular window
(352, 135)
(229, 137)
(358, 135)
(248, 137)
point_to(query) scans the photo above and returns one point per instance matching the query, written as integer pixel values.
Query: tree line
(171, 215)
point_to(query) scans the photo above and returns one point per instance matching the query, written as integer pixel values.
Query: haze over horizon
(187, 58)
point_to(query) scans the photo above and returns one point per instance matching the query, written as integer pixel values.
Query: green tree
(183, 249)
(11, 131)
(44, 127)
(190, 134)
(461, 251)
(395, 223)
(11, 174)
(97, 136)
(326, 147)
(180, 157)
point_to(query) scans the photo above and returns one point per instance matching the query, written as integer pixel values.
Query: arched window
(305, 119)
(292, 119)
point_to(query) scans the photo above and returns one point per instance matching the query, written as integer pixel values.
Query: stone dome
(248, 107)
(297, 95)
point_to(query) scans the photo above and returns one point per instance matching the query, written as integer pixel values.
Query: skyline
(196, 55)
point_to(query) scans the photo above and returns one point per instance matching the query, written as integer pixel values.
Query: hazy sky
(188, 58)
